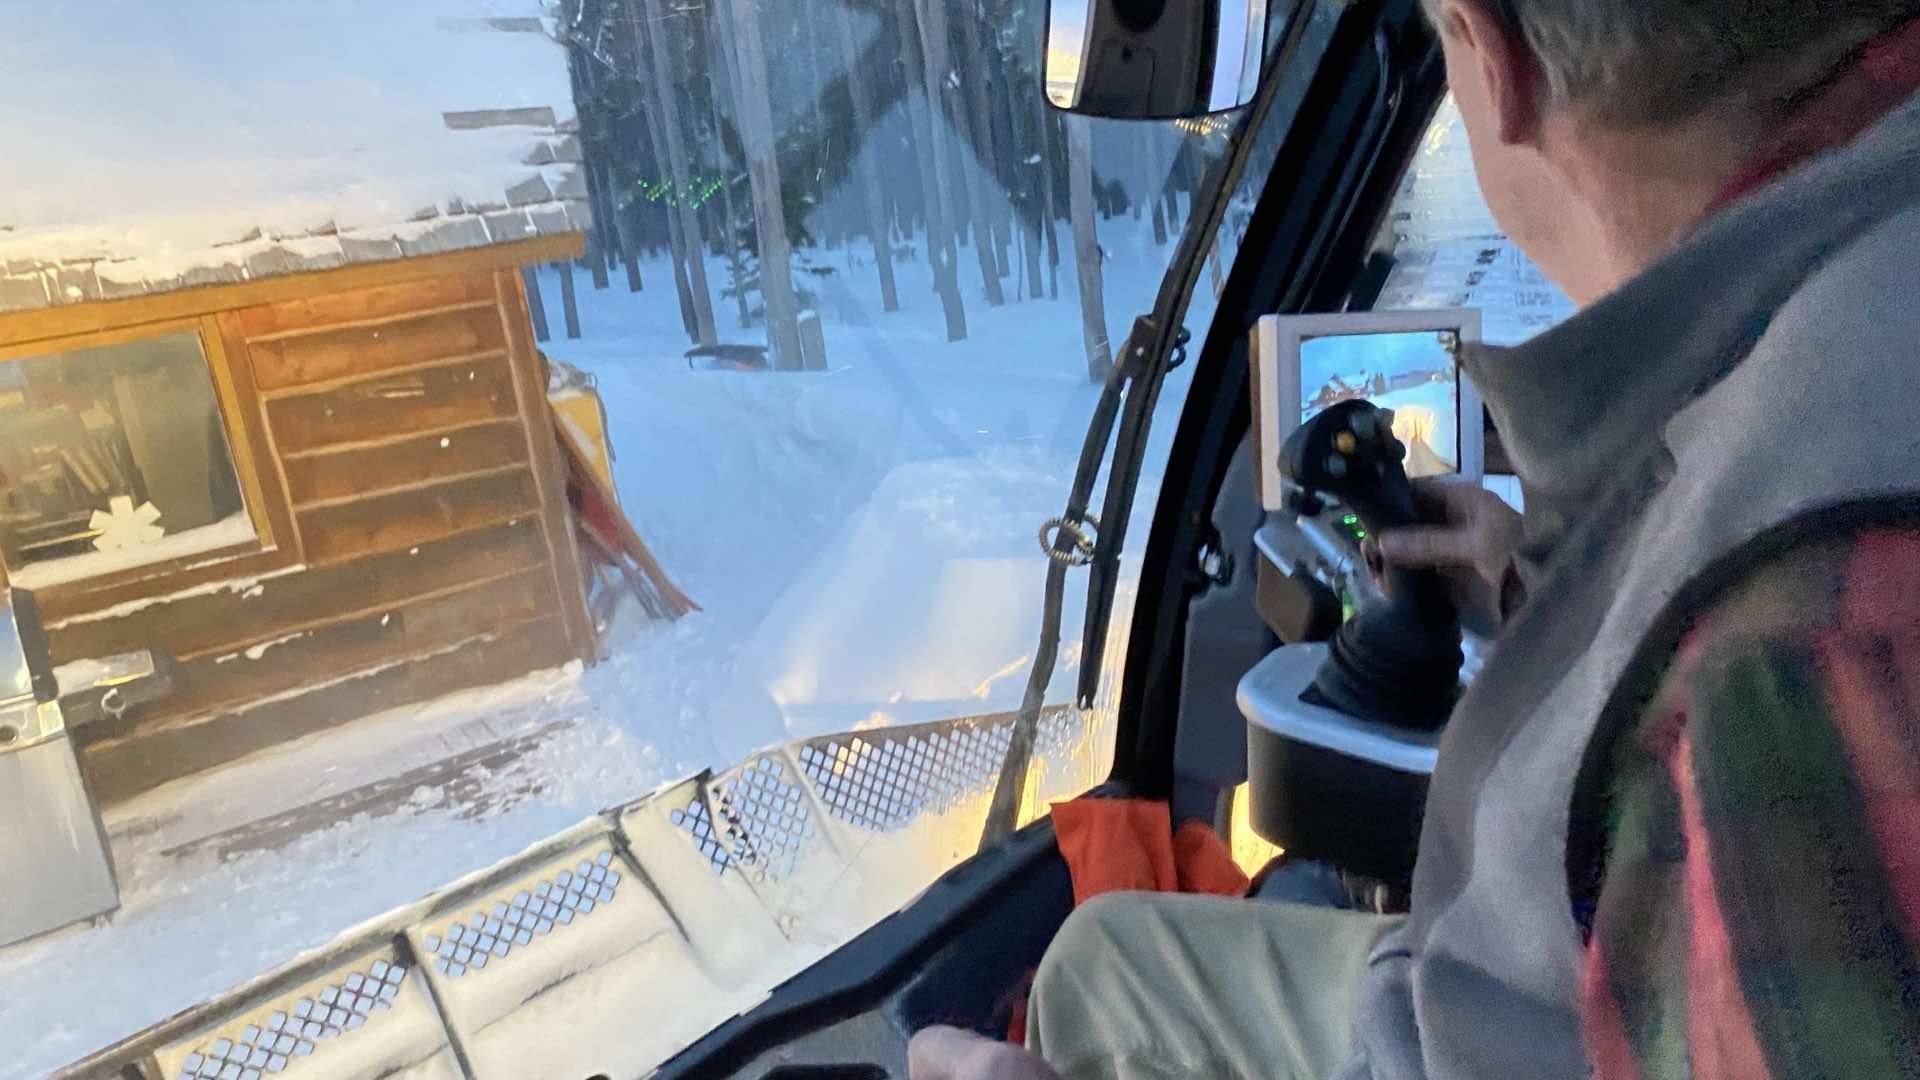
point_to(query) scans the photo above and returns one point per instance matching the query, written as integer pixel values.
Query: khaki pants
(1151, 986)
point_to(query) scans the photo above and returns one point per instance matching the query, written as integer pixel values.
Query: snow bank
(863, 541)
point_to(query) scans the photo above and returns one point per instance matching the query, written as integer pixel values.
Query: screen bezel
(1275, 371)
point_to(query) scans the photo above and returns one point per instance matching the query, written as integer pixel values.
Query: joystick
(1399, 662)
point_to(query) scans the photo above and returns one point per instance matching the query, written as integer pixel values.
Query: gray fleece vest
(1767, 369)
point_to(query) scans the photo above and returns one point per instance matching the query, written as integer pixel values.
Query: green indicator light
(1359, 534)
(1350, 519)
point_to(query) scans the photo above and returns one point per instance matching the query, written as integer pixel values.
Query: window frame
(262, 490)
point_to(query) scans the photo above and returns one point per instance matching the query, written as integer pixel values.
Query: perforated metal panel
(698, 824)
(883, 779)
(268, 1043)
(764, 818)
(520, 920)
(782, 834)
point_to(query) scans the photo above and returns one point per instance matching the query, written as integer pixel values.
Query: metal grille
(268, 1045)
(468, 944)
(757, 818)
(1057, 731)
(882, 780)
(698, 824)
(765, 820)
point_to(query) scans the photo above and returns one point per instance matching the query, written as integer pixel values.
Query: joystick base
(1380, 668)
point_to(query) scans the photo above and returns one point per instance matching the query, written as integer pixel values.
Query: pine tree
(942, 255)
(862, 100)
(667, 108)
(943, 84)
(755, 120)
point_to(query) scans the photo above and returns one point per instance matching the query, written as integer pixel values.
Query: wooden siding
(408, 451)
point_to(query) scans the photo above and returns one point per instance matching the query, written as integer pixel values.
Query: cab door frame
(1306, 250)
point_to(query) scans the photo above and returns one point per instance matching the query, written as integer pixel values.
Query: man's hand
(1471, 542)
(946, 1053)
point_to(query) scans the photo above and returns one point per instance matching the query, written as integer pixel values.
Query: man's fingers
(937, 1053)
(946, 1053)
(1438, 496)
(1421, 546)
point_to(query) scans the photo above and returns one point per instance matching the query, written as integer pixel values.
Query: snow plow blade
(611, 535)
(687, 907)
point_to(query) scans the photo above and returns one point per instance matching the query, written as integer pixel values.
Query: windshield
(816, 371)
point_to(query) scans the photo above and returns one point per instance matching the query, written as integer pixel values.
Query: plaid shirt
(1759, 910)
(1760, 914)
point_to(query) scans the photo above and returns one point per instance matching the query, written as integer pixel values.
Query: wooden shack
(292, 429)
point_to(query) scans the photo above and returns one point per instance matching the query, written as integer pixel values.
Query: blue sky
(1390, 354)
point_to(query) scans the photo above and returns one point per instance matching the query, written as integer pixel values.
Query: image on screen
(1412, 374)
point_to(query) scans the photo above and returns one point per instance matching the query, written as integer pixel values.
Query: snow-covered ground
(862, 542)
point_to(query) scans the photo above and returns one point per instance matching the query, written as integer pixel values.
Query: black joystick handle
(1400, 662)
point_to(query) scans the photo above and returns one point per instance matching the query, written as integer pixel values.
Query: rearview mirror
(1154, 59)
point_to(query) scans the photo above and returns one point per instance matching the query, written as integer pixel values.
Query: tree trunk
(1029, 139)
(676, 248)
(1050, 216)
(676, 241)
(869, 183)
(1152, 182)
(600, 240)
(668, 109)
(744, 312)
(940, 77)
(568, 304)
(629, 247)
(754, 114)
(536, 307)
(721, 79)
(942, 257)
(1086, 250)
(597, 260)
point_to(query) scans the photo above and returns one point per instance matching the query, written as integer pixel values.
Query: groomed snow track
(606, 949)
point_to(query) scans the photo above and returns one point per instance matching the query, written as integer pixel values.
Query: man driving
(1675, 826)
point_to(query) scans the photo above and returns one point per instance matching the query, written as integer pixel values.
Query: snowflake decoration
(122, 525)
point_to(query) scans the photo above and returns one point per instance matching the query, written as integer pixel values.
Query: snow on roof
(147, 147)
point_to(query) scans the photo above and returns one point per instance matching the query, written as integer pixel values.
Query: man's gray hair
(1659, 61)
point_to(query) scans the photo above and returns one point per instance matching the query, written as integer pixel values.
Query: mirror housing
(1153, 59)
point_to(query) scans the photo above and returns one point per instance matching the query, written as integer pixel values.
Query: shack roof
(149, 147)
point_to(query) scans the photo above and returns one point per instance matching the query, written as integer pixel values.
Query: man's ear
(1507, 65)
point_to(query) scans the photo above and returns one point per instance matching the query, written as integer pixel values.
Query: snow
(248, 588)
(1451, 253)
(236, 528)
(166, 130)
(79, 674)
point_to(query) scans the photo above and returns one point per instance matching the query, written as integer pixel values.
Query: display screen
(1413, 374)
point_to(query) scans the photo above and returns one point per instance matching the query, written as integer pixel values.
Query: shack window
(113, 457)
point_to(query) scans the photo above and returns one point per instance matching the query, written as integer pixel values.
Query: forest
(756, 136)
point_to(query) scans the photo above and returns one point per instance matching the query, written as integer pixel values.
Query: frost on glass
(1448, 251)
